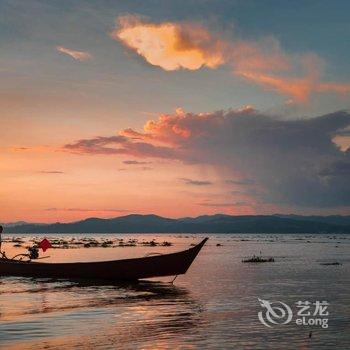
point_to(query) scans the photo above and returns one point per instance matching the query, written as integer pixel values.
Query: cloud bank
(173, 46)
(292, 162)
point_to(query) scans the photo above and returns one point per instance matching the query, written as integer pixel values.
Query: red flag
(45, 244)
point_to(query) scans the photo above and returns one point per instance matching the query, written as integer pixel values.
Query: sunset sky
(178, 108)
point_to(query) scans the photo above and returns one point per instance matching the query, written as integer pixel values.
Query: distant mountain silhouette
(218, 223)
(330, 219)
(19, 223)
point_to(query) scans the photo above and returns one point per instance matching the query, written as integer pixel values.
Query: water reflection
(213, 306)
(61, 309)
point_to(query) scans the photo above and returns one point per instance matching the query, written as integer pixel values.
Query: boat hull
(118, 270)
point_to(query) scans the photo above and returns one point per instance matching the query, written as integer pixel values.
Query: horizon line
(24, 222)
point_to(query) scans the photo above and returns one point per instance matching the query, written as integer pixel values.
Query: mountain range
(218, 223)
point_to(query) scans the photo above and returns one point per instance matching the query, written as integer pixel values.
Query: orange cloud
(77, 55)
(169, 45)
(298, 89)
(166, 137)
(173, 46)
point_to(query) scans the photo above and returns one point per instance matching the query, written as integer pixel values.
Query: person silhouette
(1, 229)
(2, 254)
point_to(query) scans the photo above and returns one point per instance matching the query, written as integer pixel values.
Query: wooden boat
(119, 270)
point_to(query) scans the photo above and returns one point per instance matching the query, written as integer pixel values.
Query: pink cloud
(118, 145)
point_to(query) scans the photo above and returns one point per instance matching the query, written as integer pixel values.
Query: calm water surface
(214, 306)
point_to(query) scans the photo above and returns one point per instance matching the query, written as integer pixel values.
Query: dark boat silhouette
(119, 270)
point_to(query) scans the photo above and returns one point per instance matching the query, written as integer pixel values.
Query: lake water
(214, 306)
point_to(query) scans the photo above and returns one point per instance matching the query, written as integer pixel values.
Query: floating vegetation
(129, 243)
(107, 244)
(258, 259)
(17, 240)
(336, 263)
(150, 243)
(85, 242)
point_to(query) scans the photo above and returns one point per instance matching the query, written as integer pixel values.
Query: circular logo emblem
(274, 313)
